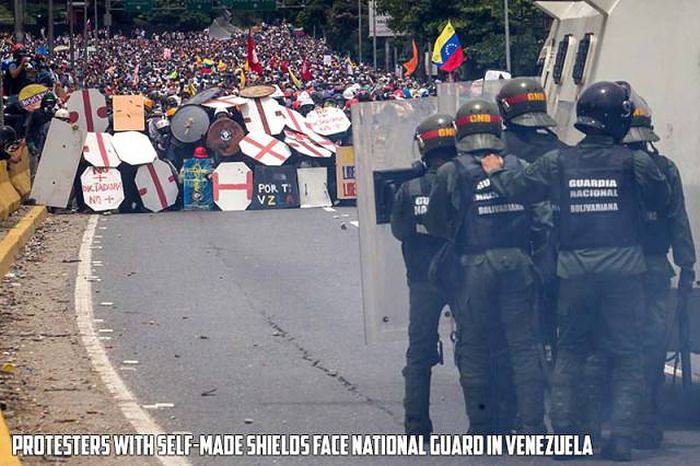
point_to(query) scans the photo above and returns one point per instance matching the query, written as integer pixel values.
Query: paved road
(263, 311)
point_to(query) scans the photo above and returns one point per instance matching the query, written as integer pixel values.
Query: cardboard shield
(305, 145)
(157, 185)
(189, 124)
(197, 186)
(257, 92)
(134, 148)
(58, 164)
(224, 135)
(295, 120)
(346, 185)
(102, 188)
(203, 96)
(265, 149)
(321, 141)
(88, 109)
(30, 96)
(381, 143)
(313, 187)
(99, 151)
(233, 186)
(328, 121)
(263, 116)
(128, 113)
(275, 188)
(227, 101)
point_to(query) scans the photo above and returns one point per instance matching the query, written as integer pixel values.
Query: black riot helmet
(479, 127)
(8, 136)
(523, 102)
(605, 107)
(641, 128)
(436, 136)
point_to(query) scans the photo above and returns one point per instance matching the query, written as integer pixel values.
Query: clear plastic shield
(383, 140)
(451, 96)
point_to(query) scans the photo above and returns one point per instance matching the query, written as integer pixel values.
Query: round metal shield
(30, 96)
(256, 92)
(224, 135)
(190, 123)
(206, 94)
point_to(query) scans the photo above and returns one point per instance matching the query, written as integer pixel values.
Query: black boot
(417, 401)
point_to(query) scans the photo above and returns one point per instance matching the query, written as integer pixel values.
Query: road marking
(328, 209)
(105, 330)
(355, 223)
(106, 303)
(139, 419)
(158, 406)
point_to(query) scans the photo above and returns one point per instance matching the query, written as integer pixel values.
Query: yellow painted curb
(6, 458)
(13, 241)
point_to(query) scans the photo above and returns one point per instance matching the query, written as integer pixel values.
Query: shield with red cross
(305, 145)
(265, 149)
(263, 116)
(232, 183)
(226, 101)
(88, 109)
(98, 150)
(295, 120)
(157, 185)
(102, 188)
(318, 139)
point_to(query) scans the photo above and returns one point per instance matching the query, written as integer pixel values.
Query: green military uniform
(601, 296)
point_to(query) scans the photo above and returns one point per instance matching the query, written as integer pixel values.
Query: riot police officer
(436, 141)
(492, 234)
(663, 230)
(598, 185)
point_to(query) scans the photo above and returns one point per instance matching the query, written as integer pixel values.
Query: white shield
(265, 149)
(157, 185)
(313, 187)
(88, 109)
(134, 148)
(263, 116)
(327, 121)
(233, 186)
(225, 102)
(295, 120)
(98, 150)
(102, 188)
(305, 145)
(58, 164)
(320, 140)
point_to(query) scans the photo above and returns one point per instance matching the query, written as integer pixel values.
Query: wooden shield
(224, 135)
(128, 113)
(256, 92)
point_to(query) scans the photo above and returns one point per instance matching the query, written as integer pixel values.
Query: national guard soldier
(598, 185)
(663, 230)
(436, 141)
(494, 306)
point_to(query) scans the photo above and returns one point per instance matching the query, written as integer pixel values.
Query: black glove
(686, 280)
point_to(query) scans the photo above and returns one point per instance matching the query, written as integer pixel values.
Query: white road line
(139, 419)
(328, 209)
(355, 223)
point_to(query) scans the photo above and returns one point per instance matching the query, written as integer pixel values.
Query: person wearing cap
(528, 135)
(599, 185)
(435, 138)
(195, 177)
(494, 308)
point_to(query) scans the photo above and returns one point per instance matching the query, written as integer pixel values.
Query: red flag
(305, 71)
(284, 66)
(253, 63)
(412, 64)
(273, 62)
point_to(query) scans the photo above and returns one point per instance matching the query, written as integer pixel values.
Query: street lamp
(507, 30)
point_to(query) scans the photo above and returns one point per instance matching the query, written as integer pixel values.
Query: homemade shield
(256, 92)
(225, 102)
(303, 144)
(30, 96)
(327, 121)
(58, 164)
(313, 187)
(232, 183)
(275, 188)
(224, 135)
(102, 188)
(157, 185)
(134, 148)
(345, 182)
(99, 150)
(265, 149)
(128, 113)
(263, 116)
(88, 109)
(203, 96)
(190, 123)
(383, 141)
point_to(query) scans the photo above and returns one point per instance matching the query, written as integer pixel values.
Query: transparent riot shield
(451, 96)
(383, 142)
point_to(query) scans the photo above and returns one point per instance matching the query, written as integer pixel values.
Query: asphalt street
(251, 322)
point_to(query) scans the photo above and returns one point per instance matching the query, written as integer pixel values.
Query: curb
(15, 239)
(6, 458)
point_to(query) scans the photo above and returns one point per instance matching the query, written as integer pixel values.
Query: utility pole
(50, 28)
(19, 21)
(94, 27)
(507, 28)
(71, 41)
(85, 40)
(359, 30)
(373, 12)
(387, 52)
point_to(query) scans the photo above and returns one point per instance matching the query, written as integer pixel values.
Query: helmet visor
(481, 141)
(534, 120)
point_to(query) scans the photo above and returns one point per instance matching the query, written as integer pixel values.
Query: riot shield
(451, 96)
(383, 140)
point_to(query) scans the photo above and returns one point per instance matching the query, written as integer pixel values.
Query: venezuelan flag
(447, 51)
